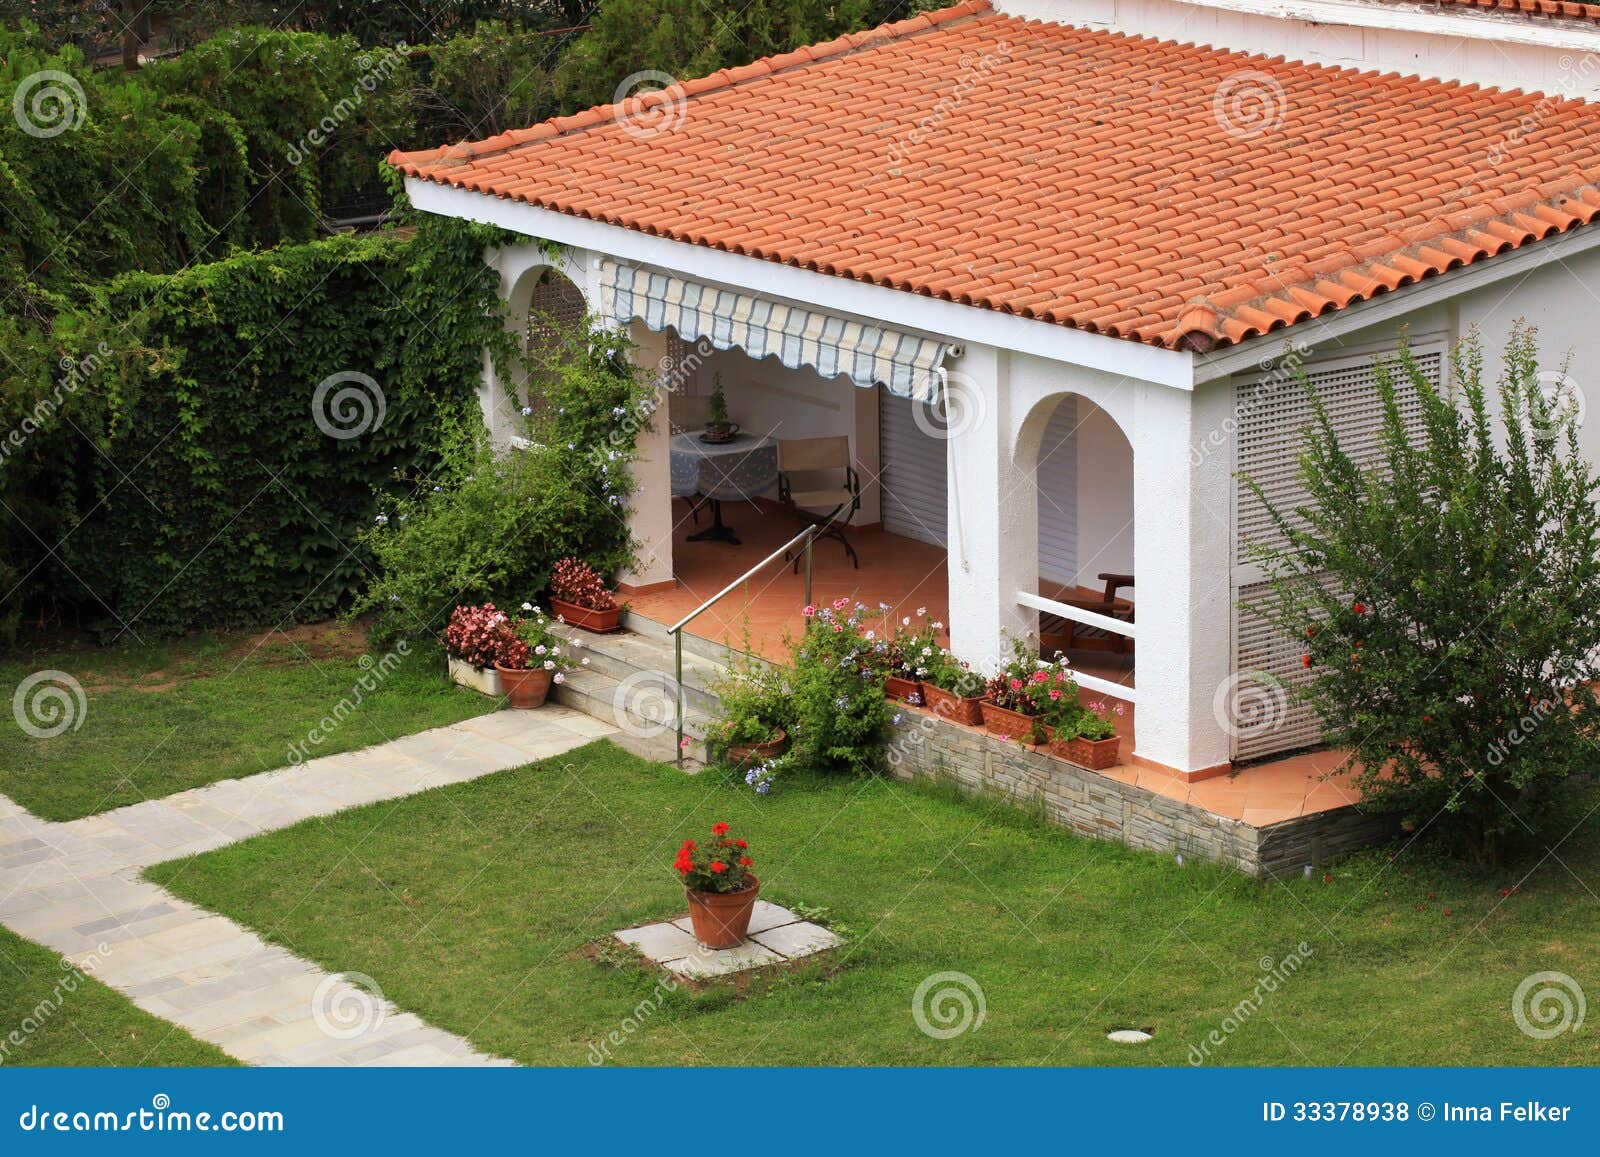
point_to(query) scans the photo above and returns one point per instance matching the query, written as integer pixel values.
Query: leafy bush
(196, 470)
(755, 701)
(487, 527)
(841, 716)
(1448, 596)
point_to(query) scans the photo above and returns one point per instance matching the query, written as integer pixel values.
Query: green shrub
(1448, 598)
(489, 527)
(756, 699)
(841, 716)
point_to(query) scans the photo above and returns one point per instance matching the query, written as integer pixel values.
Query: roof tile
(1171, 194)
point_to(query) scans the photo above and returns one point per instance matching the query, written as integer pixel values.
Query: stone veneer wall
(1094, 805)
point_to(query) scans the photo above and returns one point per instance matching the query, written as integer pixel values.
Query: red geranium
(714, 868)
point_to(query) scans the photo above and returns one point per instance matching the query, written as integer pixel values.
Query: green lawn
(163, 718)
(63, 1017)
(472, 905)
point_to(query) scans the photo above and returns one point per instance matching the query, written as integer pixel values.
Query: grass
(478, 907)
(64, 1017)
(159, 719)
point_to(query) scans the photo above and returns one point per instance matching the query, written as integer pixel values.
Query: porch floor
(908, 575)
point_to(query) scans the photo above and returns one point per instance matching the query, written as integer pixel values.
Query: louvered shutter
(912, 468)
(1274, 414)
(1058, 495)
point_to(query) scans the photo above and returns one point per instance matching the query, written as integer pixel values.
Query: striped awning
(870, 355)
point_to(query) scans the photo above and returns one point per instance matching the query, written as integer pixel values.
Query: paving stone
(659, 942)
(795, 940)
(705, 962)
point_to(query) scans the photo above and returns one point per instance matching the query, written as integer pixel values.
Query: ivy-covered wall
(230, 430)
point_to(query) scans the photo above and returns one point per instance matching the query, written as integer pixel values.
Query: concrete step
(644, 662)
(644, 710)
(692, 644)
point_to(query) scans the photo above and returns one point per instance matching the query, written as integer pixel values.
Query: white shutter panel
(1274, 414)
(1058, 495)
(912, 468)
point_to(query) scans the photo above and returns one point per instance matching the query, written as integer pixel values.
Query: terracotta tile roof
(1555, 9)
(1175, 195)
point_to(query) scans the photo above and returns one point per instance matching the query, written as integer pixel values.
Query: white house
(1049, 265)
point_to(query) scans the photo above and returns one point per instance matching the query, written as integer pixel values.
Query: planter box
(1095, 754)
(956, 708)
(1003, 721)
(600, 622)
(902, 690)
(483, 680)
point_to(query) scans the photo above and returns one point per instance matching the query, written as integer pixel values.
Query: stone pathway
(75, 887)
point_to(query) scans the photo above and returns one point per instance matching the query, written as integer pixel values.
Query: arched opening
(543, 306)
(1081, 466)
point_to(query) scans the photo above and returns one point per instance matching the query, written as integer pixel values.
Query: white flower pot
(484, 680)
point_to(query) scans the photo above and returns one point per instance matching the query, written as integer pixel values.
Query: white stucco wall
(1494, 49)
(1105, 498)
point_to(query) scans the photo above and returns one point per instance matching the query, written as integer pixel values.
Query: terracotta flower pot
(956, 708)
(1095, 754)
(600, 622)
(525, 688)
(1004, 721)
(740, 754)
(902, 690)
(721, 919)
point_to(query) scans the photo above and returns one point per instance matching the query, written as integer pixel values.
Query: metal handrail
(805, 537)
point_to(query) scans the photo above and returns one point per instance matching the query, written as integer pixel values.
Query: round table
(739, 469)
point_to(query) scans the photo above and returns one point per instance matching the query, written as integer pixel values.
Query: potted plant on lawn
(579, 596)
(1009, 708)
(533, 658)
(953, 690)
(1088, 739)
(755, 712)
(718, 428)
(720, 887)
(473, 640)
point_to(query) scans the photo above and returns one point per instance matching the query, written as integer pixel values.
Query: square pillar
(1182, 544)
(992, 514)
(650, 510)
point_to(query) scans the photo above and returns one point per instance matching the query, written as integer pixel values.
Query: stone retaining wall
(1102, 808)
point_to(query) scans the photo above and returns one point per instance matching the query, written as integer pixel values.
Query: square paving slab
(777, 935)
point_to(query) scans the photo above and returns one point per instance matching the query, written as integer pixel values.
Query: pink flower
(810, 611)
(1054, 693)
(840, 603)
(1016, 684)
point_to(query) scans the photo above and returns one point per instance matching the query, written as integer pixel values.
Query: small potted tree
(720, 887)
(718, 427)
(579, 596)
(473, 640)
(532, 658)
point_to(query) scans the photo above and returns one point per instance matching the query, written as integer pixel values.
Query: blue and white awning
(869, 355)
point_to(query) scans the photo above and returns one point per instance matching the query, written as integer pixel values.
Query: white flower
(585, 662)
(539, 650)
(549, 664)
(921, 611)
(560, 678)
(527, 606)
(938, 626)
(906, 622)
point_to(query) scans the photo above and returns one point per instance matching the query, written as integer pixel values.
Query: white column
(1182, 542)
(650, 513)
(993, 514)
